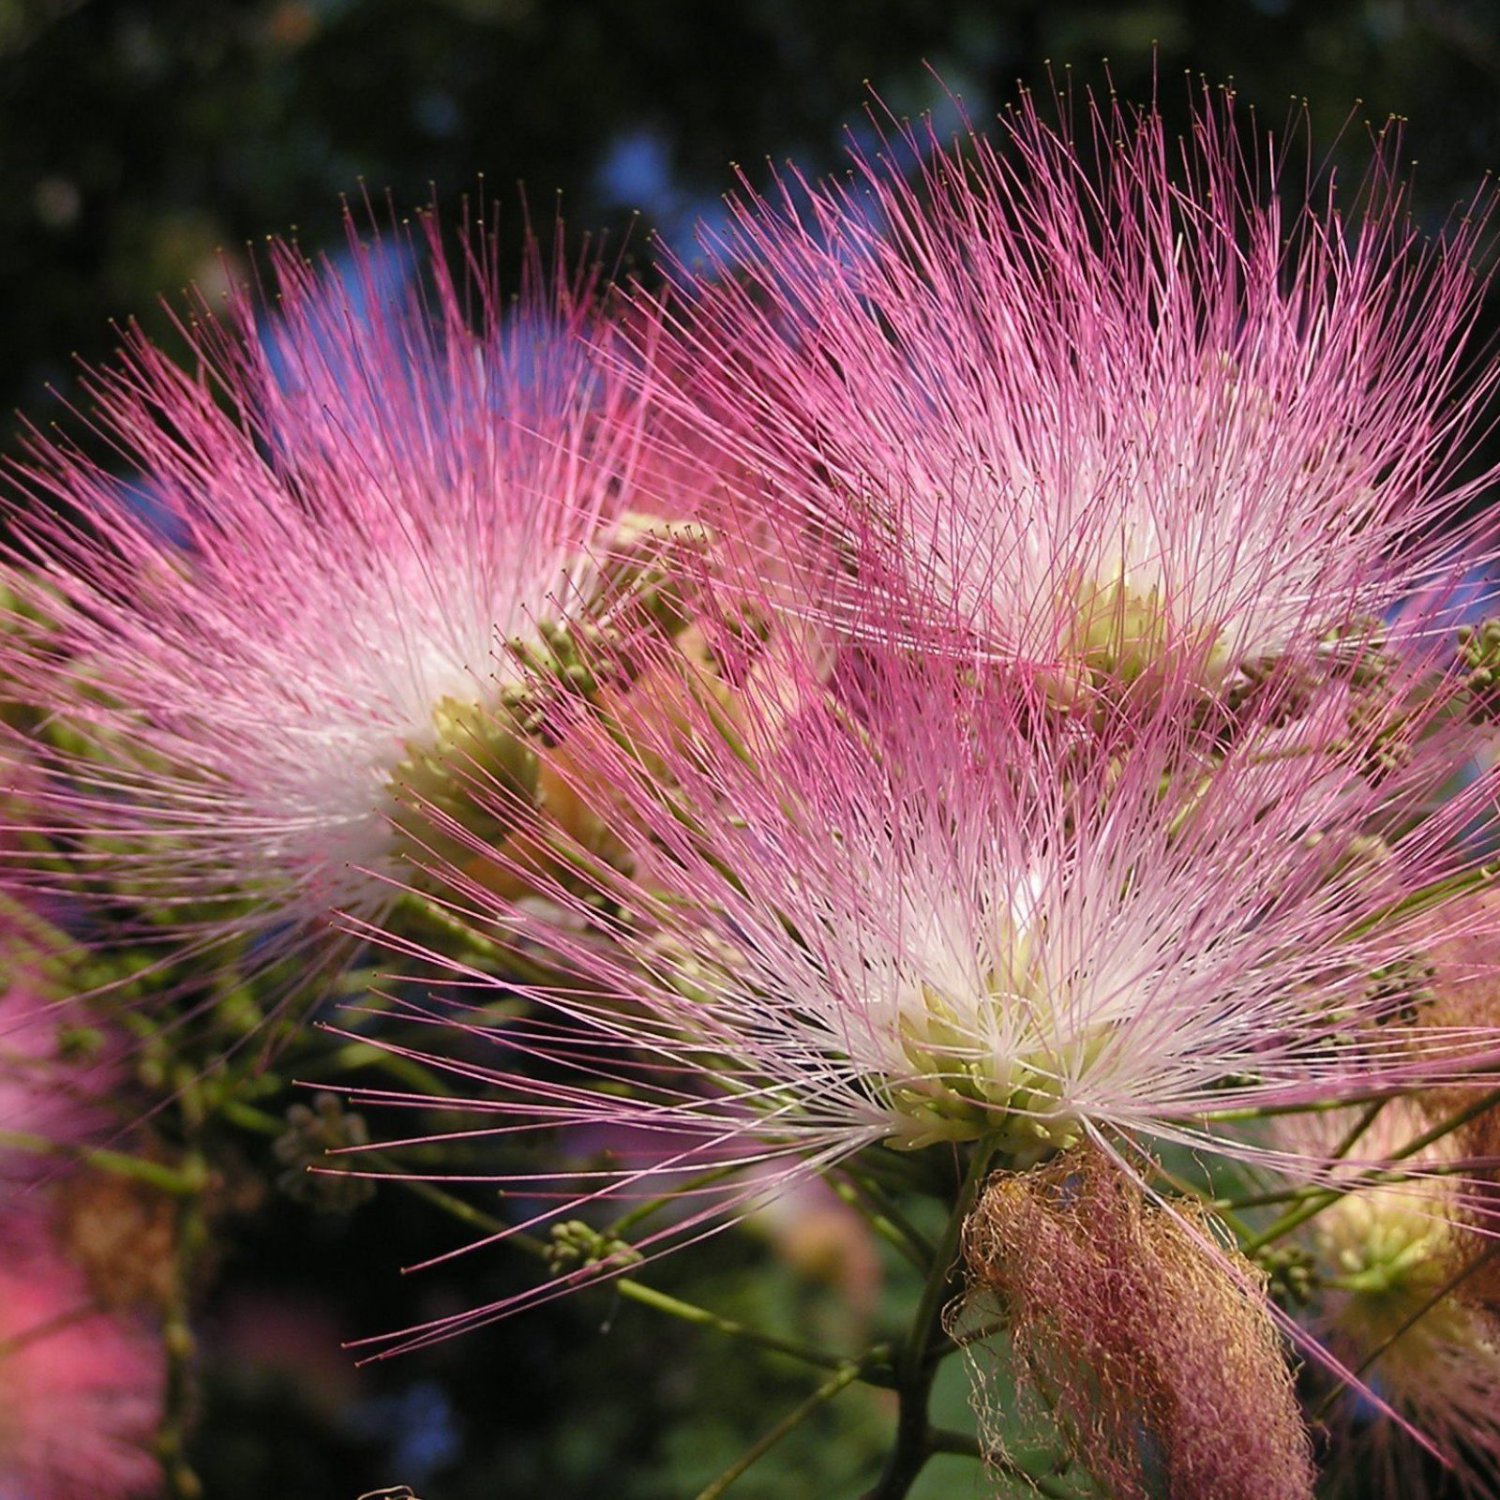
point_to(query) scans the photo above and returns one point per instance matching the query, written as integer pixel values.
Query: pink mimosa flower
(80, 1391)
(934, 910)
(344, 512)
(1104, 400)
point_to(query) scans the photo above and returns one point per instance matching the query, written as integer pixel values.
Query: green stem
(914, 1366)
(873, 1369)
(448, 926)
(886, 1219)
(1356, 1131)
(825, 1393)
(353, 1056)
(946, 1440)
(643, 1211)
(248, 1117)
(176, 1182)
(1251, 1112)
(1299, 1194)
(1427, 898)
(179, 1480)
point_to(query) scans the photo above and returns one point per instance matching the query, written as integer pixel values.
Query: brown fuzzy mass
(1155, 1356)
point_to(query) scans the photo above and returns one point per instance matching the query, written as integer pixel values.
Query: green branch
(914, 1366)
(872, 1369)
(825, 1393)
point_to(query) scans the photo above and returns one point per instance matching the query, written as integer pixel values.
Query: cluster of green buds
(1382, 729)
(472, 782)
(476, 774)
(1277, 688)
(1402, 991)
(1479, 655)
(566, 659)
(1291, 1273)
(310, 1135)
(644, 578)
(575, 1244)
(1355, 652)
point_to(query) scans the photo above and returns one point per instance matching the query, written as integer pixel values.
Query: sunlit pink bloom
(356, 493)
(80, 1392)
(1096, 395)
(936, 910)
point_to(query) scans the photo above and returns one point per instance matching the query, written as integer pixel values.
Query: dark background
(138, 138)
(143, 143)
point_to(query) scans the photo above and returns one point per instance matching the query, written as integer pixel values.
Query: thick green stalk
(871, 1200)
(177, 1182)
(179, 1480)
(915, 1366)
(873, 1368)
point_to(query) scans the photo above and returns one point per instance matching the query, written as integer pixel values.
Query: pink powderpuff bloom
(1101, 398)
(933, 909)
(80, 1392)
(366, 485)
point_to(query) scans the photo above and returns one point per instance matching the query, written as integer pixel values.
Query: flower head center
(462, 786)
(1123, 630)
(998, 1065)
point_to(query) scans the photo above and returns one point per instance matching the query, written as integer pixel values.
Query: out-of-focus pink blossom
(80, 1392)
(57, 1070)
(53, 1085)
(1402, 1264)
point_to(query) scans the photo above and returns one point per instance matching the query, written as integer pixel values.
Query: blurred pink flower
(59, 1069)
(80, 1392)
(52, 1086)
(1401, 1268)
